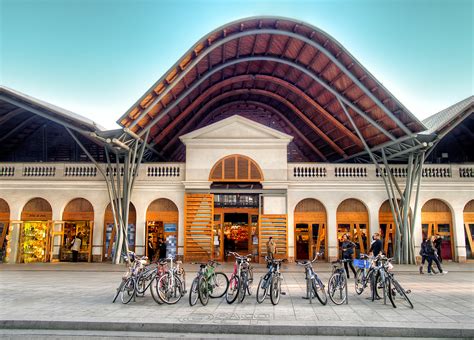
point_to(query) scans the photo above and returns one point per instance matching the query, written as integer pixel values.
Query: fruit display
(34, 242)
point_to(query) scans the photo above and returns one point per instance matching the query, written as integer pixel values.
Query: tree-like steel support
(127, 149)
(400, 198)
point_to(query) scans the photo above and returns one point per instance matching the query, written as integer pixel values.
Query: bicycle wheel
(262, 289)
(275, 292)
(250, 281)
(142, 282)
(359, 281)
(119, 289)
(169, 289)
(376, 286)
(337, 288)
(233, 289)
(319, 291)
(154, 290)
(194, 292)
(203, 288)
(243, 286)
(219, 283)
(398, 295)
(128, 291)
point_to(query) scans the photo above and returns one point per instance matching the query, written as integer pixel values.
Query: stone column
(459, 234)
(331, 228)
(13, 243)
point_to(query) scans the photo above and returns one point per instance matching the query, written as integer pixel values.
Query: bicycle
(170, 286)
(272, 279)
(314, 285)
(337, 285)
(128, 287)
(207, 283)
(364, 273)
(241, 279)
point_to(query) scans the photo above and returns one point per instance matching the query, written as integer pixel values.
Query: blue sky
(97, 57)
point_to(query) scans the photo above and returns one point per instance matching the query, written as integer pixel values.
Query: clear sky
(97, 57)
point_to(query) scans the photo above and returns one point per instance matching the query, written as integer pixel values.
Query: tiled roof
(438, 121)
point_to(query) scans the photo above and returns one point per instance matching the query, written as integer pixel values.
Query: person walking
(423, 254)
(347, 252)
(433, 256)
(437, 244)
(271, 248)
(76, 247)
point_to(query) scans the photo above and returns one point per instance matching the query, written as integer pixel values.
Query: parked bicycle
(241, 279)
(171, 285)
(364, 274)
(271, 281)
(337, 285)
(128, 287)
(314, 285)
(208, 283)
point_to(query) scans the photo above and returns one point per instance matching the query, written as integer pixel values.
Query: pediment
(236, 128)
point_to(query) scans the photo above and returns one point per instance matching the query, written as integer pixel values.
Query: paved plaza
(78, 297)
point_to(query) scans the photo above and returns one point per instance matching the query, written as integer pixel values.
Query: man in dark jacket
(424, 254)
(376, 246)
(437, 244)
(347, 252)
(433, 256)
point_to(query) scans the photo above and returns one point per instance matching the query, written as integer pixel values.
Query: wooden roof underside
(292, 71)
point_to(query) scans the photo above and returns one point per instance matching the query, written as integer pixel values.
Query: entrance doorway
(78, 217)
(436, 219)
(469, 229)
(161, 229)
(310, 229)
(4, 226)
(353, 219)
(110, 236)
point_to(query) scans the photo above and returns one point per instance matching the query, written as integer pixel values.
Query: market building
(261, 129)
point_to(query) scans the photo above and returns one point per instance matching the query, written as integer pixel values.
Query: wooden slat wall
(275, 226)
(198, 221)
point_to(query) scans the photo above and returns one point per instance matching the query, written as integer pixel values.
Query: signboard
(170, 227)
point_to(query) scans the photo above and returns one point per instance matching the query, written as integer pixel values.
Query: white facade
(329, 183)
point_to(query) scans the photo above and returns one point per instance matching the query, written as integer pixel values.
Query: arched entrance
(78, 217)
(310, 229)
(469, 229)
(436, 219)
(161, 225)
(110, 234)
(388, 227)
(4, 225)
(35, 231)
(353, 219)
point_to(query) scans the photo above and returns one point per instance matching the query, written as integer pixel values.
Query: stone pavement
(78, 297)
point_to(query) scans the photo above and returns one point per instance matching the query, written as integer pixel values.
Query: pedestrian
(271, 248)
(162, 249)
(437, 244)
(151, 248)
(376, 246)
(423, 254)
(433, 256)
(76, 247)
(347, 252)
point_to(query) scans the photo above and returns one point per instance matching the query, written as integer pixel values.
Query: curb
(339, 330)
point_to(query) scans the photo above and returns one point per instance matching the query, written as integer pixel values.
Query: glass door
(302, 241)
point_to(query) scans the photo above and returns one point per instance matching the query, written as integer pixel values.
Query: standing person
(162, 249)
(437, 244)
(433, 256)
(376, 246)
(271, 248)
(76, 247)
(151, 248)
(347, 252)
(423, 254)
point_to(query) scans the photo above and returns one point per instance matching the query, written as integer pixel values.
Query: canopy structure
(280, 72)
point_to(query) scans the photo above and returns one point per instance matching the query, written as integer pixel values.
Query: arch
(388, 227)
(436, 219)
(110, 233)
(352, 218)
(162, 217)
(78, 217)
(236, 168)
(468, 213)
(4, 226)
(35, 240)
(310, 220)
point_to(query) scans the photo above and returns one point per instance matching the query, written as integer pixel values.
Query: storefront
(110, 236)
(310, 229)
(161, 226)
(4, 228)
(436, 220)
(353, 219)
(78, 219)
(35, 231)
(469, 229)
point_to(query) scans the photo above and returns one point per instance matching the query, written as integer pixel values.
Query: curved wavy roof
(282, 72)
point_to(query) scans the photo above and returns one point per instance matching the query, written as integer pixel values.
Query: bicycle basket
(361, 263)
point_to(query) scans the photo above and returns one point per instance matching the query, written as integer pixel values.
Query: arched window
(236, 168)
